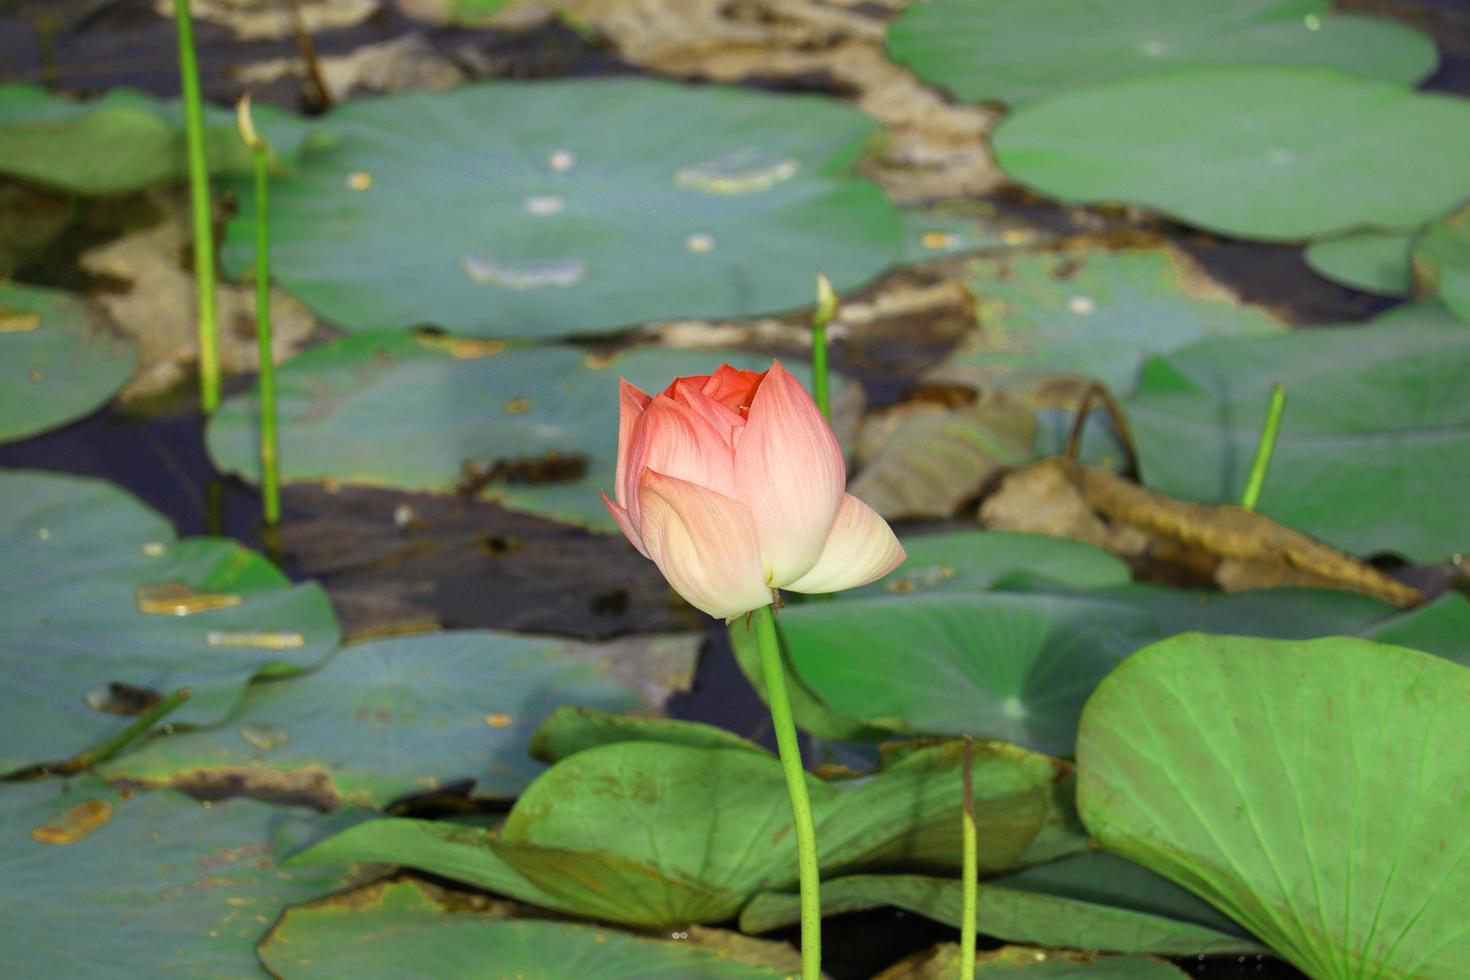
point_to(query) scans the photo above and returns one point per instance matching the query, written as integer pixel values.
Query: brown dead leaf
(261, 19)
(407, 63)
(926, 458)
(936, 149)
(1234, 548)
(155, 305)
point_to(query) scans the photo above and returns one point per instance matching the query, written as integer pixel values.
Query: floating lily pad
(539, 424)
(1093, 314)
(1373, 261)
(555, 208)
(1440, 627)
(942, 962)
(970, 561)
(1006, 665)
(1370, 456)
(1018, 50)
(57, 363)
(102, 613)
(1271, 153)
(399, 930)
(578, 840)
(1324, 810)
(98, 882)
(1442, 261)
(124, 141)
(1086, 901)
(398, 716)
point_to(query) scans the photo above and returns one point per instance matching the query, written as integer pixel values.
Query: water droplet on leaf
(255, 639)
(742, 172)
(562, 160)
(264, 737)
(700, 243)
(178, 599)
(359, 180)
(543, 205)
(533, 274)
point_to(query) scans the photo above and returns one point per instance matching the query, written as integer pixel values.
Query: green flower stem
(1264, 449)
(970, 869)
(115, 745)
(826, 311)
(270, 466)
(801, 808)
(203, 211)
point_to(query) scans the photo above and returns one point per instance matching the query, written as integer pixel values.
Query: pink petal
(725, 419)
(790, 473)
(704, 542)
(860, 549)
(732, 387)
(676, 441)
(625, 524)
(631, 403)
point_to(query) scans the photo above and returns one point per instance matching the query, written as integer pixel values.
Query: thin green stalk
(801, 807)
(970, 868)
(115, 745)
(1264, 449)
(826, 311)
(270, 467)
(203, 211)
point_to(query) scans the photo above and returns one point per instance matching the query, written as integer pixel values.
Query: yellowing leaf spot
(74, 823)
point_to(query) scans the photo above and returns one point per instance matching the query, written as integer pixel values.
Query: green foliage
(1021, 50)
(1442, 258)
(57, 363)
(393, 717)
(162, 886)
(546, 416)
(1096, 314)
(80, 562)
(577, 840)
(1087, 901)
(1315, 792)
(1374, 261)
(398, 930)
(123, 141)
(574, 207)
(1268, 153)
(1371, 449)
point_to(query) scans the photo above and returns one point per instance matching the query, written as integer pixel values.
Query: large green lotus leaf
(123, 141)
(397, 930)
(1324, 810)
(1271, 153)
(577, 841)
(95, 592)
(1018, 50)
(1015, 666)
(56, 363)
(103, 883)
(572, 728)
(1370, 455)
(397, 716)
(1374, 261)
(973, 561)
(545, 209)
(958, 561)
(942, 962)
(391, 409)
(1093, 314)
(1085, 901)
(1442, 260)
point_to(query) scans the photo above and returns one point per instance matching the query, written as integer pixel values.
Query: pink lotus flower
(734, 485)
